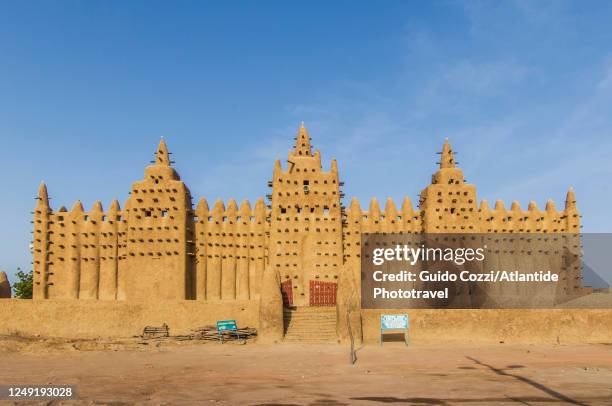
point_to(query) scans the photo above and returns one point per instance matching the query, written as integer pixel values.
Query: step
(310, 331)
(310, 341)
(306, 319)
(310, 337)
(326, 338)
(312, 309)
(312, 328)
(313, 336)
(328, 326)
(310, 316)
(310, 325)
(310, 322)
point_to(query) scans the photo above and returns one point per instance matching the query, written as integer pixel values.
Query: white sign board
(394, 322)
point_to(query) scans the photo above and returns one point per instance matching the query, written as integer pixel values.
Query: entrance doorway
(287, 293)
(323, 293)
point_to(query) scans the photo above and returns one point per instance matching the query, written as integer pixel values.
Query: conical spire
(448, 158)
(113, 211)
(202, 207)
(277, 167)
(484, 205)
(161, 167)
(390, 209)
(219, 207)
(77, 207)
(218, 210)
(550, 206)
(260, 210)
(334, 165)
(245, 209)
(97, 207)
(407, 206)
(162, 156)
(570, 200)
(302, 142)
(43, 196)
(232, 208)
(374, 208)
(114, 207)
(533, 206)
(355, 207)
(96, 212)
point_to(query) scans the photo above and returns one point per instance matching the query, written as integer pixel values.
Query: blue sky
(523, 91)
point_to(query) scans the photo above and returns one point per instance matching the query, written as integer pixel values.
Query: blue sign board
(226, 325)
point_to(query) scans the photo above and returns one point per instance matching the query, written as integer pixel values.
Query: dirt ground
(181, 373)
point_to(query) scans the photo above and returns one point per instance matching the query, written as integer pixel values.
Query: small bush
(23, 287)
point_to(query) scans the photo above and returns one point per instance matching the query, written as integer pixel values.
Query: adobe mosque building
(301, 250)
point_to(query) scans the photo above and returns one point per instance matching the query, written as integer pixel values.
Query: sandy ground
(177, 373)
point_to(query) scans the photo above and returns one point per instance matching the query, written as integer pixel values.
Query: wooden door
(323, 293)
(287, 293)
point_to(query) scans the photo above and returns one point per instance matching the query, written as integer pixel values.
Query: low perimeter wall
(93, 319)
(106, 319)
(494, 325)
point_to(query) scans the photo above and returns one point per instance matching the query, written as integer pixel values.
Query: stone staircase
(310, 325)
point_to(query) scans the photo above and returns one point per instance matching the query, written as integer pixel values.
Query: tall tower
(306, 226)
(40, 244)
(160, 247)
(448, 204)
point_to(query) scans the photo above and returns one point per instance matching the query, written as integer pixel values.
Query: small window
(306, 183)
(164, 213)
(325, 210)
(283, 210)
(147, 213)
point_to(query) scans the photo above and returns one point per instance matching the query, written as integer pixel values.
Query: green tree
(23, 287)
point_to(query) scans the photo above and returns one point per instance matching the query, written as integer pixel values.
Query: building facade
(159, 247)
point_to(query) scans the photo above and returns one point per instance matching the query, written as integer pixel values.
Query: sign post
(394, 322)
